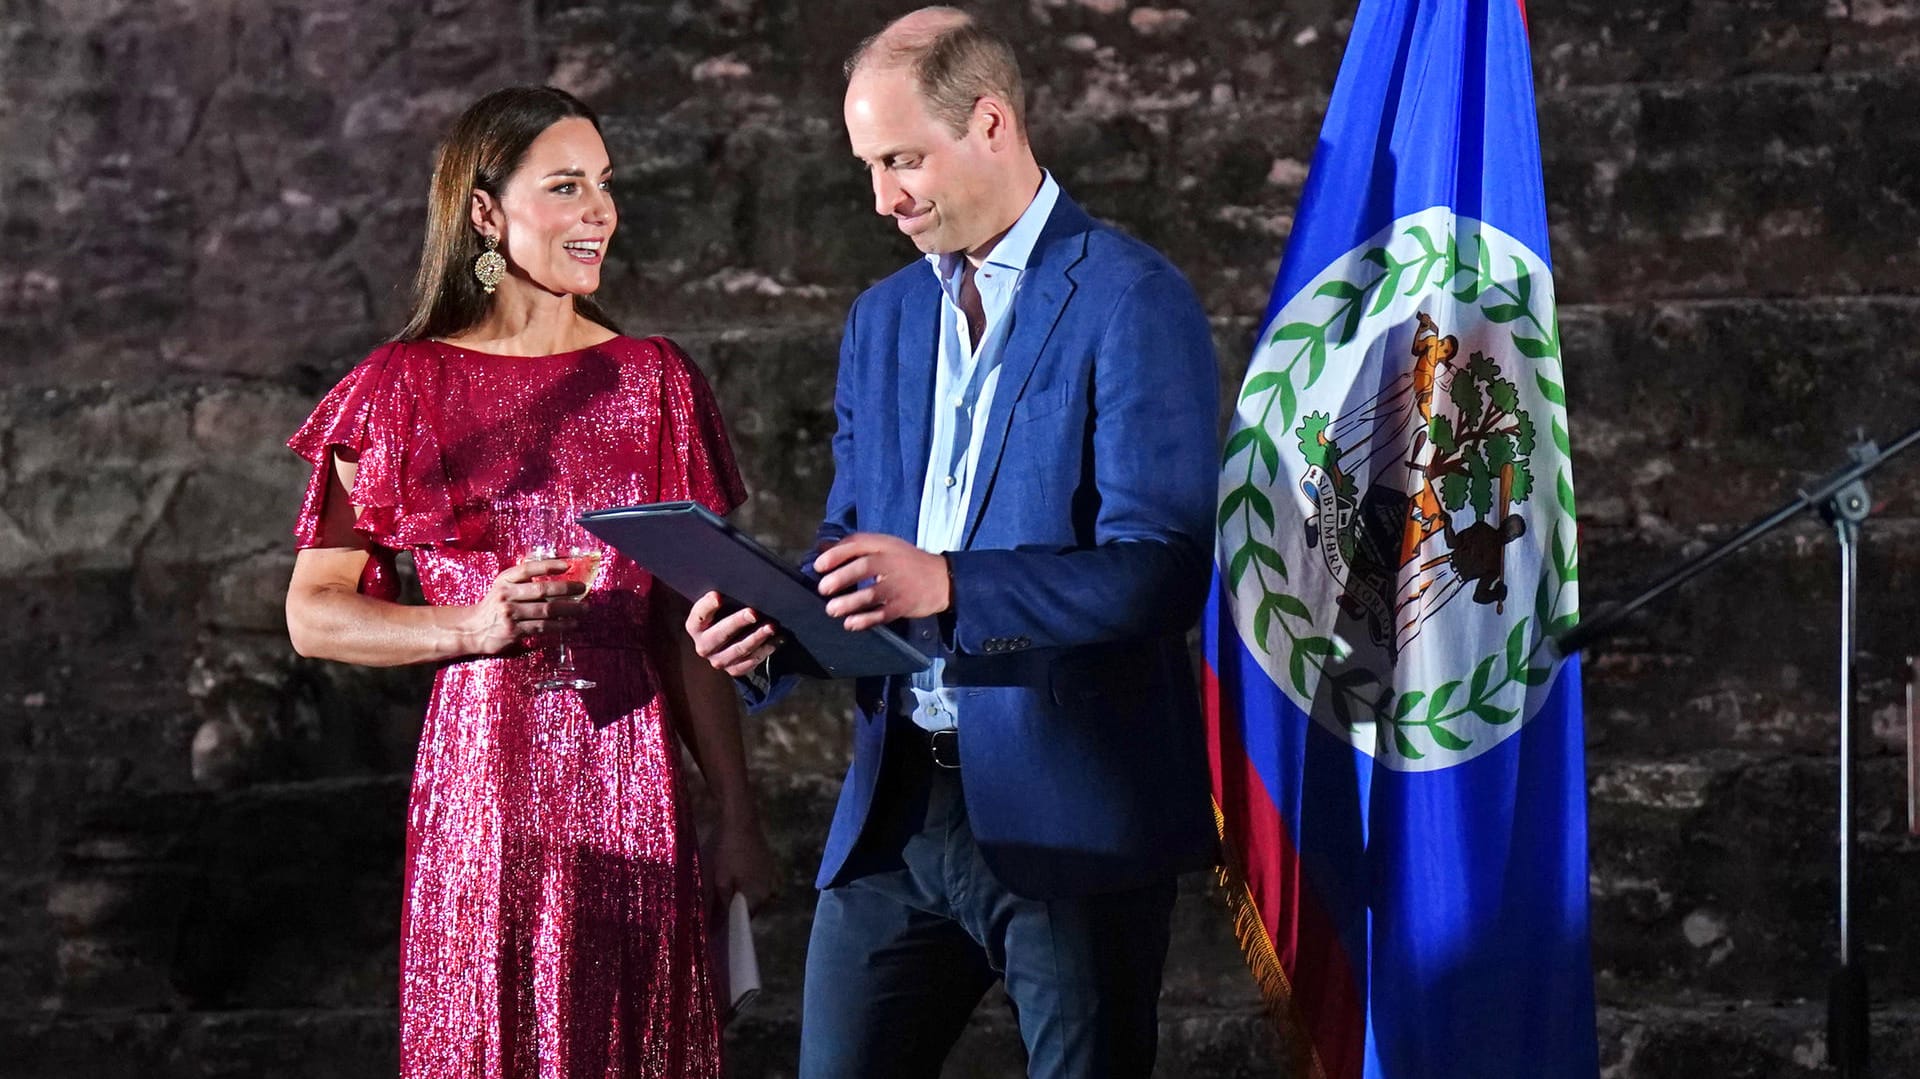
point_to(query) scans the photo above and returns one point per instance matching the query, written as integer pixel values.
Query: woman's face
(555, 215)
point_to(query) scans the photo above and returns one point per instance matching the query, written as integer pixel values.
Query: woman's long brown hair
(481, 151)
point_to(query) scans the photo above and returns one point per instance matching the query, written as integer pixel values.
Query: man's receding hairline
(899, 46)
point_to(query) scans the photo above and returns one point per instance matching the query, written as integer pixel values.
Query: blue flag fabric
(1397, 748)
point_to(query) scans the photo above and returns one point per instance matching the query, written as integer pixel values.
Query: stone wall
(209, 210)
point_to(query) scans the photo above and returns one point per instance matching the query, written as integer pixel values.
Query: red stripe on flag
(1319, 993)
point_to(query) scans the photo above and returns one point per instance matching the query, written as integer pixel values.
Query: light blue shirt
(966, 374)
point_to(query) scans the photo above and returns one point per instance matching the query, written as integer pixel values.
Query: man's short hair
(954, 67)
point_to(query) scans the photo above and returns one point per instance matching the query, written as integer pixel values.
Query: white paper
(736, 969)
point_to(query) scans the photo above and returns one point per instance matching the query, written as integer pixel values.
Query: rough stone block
(1769, 187)
(33, 786)
(1714, 413)
(1720, 878)
(23, 930)
(249, 594)
(335, 1044)
(275, 897)
(1747, 655)
(1742, 1040)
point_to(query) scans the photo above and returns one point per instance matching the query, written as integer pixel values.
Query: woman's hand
(519, 609)
(737, 859)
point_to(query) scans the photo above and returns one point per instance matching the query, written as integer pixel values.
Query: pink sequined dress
(552, 926)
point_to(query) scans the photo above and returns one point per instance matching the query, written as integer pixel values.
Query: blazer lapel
(915, 353)
(1044, 291)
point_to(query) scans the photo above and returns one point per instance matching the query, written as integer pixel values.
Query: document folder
(696, 551)
(734, 965)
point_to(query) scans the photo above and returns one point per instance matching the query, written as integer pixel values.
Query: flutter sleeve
(400, 482)
(693, 437)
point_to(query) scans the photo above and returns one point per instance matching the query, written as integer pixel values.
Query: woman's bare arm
(706, 711)
(329, 618)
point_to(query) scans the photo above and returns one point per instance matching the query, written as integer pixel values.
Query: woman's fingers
(558, 609)
(527, 569)
(529, 591)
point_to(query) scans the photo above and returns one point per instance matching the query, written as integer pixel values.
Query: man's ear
(994, 121)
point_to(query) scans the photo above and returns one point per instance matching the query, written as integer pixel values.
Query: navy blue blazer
(1085, 559)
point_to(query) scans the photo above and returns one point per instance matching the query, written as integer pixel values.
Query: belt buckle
(944, 746)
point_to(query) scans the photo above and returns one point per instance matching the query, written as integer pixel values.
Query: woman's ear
(484, 212)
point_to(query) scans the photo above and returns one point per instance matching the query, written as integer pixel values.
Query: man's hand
(903, 581)
(735, 644)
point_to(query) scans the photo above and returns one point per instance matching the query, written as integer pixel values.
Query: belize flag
(1397, 747)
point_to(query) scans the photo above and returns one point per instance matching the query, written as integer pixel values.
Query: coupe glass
(556, 534)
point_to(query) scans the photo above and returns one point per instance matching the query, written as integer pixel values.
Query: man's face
(938, 188)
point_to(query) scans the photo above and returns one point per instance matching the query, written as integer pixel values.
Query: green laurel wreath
(1358, 694)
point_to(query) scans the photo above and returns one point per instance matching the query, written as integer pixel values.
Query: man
(1024, 483)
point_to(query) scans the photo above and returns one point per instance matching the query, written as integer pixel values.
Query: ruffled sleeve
(382, 413)
(693, 438)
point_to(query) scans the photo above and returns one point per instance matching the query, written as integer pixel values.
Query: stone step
(1720, 665)
(1746, 1039)
(273, 896)
(1074, 55)
(1777, 185)
(1710, 412)
(287, 895)
(1718, 874)
(1218, 1043)
(25, 932)
(1746, 657)
(288, 1044)
(1724, 1038)
(1685, 414)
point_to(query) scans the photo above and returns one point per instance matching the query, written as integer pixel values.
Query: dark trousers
(902, 953)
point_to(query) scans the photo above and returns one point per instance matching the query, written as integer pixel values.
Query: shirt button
(950, 481)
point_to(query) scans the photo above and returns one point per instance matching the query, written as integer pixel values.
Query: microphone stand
(1841, 499)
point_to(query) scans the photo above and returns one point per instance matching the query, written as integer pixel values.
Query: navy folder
(695, 551)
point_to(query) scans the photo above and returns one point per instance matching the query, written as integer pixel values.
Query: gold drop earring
(491, 266)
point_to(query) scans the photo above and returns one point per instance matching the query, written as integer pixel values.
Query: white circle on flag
(1396, 525)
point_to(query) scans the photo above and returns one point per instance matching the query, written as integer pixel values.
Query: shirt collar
(1016, 247)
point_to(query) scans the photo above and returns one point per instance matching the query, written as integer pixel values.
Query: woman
(554, 916)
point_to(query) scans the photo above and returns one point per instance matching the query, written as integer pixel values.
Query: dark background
(208, 212)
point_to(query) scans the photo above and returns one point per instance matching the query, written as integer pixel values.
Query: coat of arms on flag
(1397, 748)
(1396, 490)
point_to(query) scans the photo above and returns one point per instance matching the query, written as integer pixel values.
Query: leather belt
(943, 746)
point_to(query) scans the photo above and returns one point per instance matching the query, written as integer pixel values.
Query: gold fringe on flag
(1250, 929)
